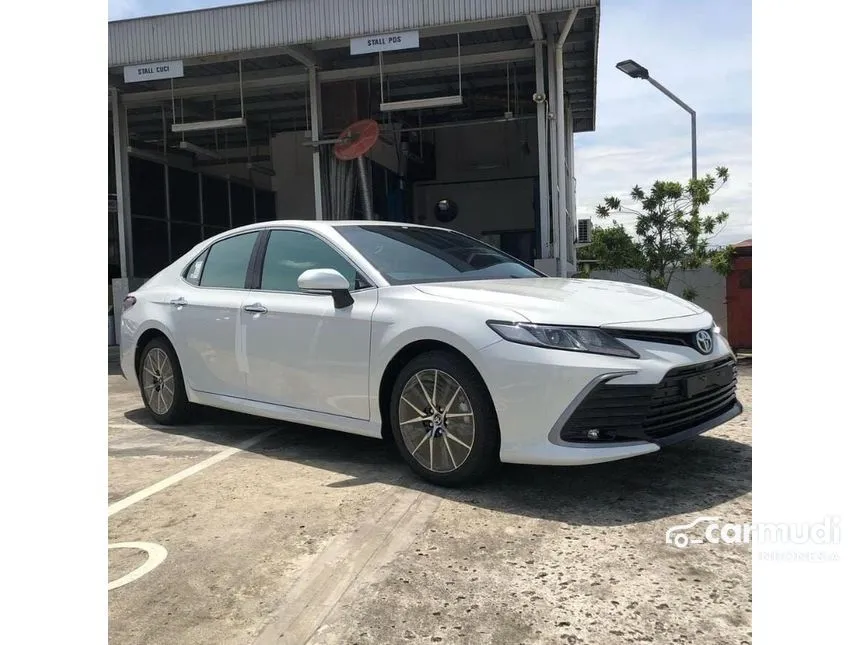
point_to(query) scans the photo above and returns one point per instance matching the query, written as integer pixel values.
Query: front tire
(161, 383)
(443, 420)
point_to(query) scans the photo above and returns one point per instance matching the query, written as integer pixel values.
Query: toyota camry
(462, 355)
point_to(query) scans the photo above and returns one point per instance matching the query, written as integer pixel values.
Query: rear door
(206, 316)
(302, 352)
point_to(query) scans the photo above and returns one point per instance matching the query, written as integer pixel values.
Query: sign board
(383, 43)
(153, 71)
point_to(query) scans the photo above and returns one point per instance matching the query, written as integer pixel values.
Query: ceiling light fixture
(199, 150)
(198, 126)
(417, 104)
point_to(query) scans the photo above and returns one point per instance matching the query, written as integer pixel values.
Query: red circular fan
(357, 139)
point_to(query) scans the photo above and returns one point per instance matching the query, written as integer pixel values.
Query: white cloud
(122, 9)
(614, 170)
(700, 51)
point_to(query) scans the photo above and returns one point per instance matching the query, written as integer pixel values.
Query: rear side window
(193, 271)
(226, 263)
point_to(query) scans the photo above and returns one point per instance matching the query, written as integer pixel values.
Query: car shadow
(686, 478)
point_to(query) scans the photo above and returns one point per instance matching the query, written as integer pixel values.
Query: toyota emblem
(703, 341)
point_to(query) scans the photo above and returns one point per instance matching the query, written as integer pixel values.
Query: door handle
(256, 308)
(178, 302)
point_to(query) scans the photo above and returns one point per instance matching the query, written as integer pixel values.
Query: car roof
(312, 224)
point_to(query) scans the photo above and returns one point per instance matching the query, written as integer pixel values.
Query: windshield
(409, 254)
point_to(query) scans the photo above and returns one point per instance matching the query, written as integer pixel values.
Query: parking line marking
(191, 470)
(155, 555)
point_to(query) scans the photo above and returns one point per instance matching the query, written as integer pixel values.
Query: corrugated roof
(277, 23)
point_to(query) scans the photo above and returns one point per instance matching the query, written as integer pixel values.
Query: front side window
(410, 254)
(227, 262)
(291, 253)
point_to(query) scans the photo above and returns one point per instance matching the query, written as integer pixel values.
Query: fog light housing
(593, 434)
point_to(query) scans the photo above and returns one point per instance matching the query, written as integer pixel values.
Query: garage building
(223, 117)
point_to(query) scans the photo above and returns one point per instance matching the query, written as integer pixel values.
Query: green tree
(612, 248)
(671, 233)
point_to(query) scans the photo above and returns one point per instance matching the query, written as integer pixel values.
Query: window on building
(149, 246)
(183, 238)
(746, 279)
(265, 203)
(241, 204)
(216, 204)
(227, 262)
(184, 196)
(291, 253)
(147, 190)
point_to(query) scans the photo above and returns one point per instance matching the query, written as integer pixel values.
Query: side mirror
(327, 280)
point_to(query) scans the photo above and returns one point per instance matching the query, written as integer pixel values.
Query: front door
(205, 316)
(301, 351)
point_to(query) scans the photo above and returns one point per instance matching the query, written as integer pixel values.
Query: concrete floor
(312, 536)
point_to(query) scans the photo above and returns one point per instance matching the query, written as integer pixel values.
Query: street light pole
(635, 70)
(686, 107)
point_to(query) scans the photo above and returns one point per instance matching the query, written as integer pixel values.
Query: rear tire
(443, 421)
(162, 386)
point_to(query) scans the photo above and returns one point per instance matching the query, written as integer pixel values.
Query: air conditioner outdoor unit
(583, 231)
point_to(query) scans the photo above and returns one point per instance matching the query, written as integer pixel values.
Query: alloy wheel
(158, 380)
(436, 419)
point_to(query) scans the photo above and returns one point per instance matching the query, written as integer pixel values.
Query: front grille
(684, 339)
(668, 338)
(652, 412)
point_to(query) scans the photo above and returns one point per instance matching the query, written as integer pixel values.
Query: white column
(571, 189)
(123, 205)
(569, 181)
(562, 124)
(316, 126)
(561, 166)
(537, 32)
(552, 172)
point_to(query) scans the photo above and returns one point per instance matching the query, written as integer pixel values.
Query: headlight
(574, 339)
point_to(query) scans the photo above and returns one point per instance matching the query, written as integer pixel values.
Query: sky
(700, 50)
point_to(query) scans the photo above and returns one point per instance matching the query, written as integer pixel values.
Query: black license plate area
(695, 385)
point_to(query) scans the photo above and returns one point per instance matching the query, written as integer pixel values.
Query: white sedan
(459, 353)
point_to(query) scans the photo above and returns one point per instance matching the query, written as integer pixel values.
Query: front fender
(410, 317)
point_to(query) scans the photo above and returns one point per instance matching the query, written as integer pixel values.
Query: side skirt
(287, 414)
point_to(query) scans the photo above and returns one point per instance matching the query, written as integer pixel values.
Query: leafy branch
(671, 234)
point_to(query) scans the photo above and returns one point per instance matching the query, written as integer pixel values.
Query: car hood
(578, 302)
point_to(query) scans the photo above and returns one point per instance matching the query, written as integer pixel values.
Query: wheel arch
(400, 359)
(145, 338)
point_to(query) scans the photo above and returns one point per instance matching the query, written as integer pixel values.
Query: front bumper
(540, 396)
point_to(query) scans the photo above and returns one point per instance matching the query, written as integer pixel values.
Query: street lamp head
(632, 69)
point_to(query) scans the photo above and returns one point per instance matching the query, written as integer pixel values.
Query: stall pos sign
(383, 43)
(153, 71)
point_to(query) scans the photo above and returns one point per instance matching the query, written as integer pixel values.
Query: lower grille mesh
(637, 412)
